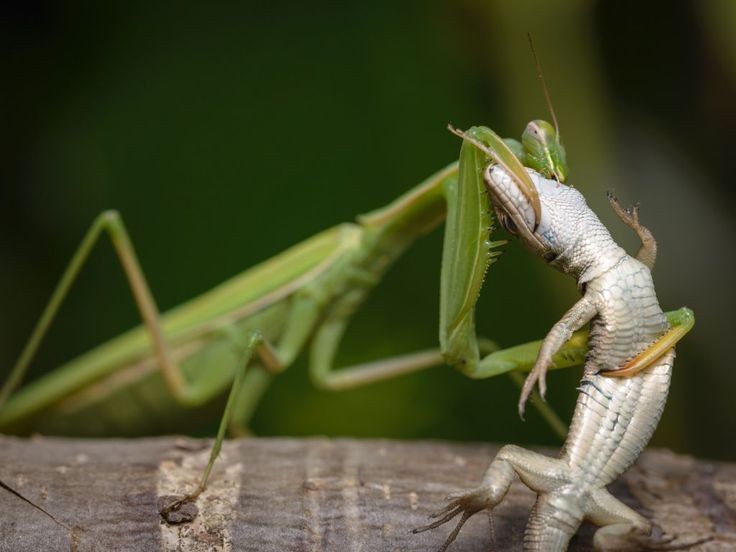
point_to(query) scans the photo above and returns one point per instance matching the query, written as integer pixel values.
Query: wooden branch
(309, 495)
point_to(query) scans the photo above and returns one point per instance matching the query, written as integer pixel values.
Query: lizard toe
(464, 504)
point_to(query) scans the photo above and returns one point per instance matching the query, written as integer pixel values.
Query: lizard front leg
(647, 253)
(580, 314)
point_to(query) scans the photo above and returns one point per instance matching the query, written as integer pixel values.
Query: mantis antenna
(540, 74)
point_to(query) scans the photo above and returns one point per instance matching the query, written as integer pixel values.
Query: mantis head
(543, 150)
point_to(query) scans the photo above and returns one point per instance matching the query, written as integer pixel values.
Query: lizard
(614, 417)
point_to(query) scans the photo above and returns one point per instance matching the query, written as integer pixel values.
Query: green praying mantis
(241, 334)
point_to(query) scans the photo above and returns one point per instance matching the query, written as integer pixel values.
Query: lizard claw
(633, 215)
(538, 375)
(463, 504)
(543, 385)
(522, 405)
(629, 215)
(526, 391)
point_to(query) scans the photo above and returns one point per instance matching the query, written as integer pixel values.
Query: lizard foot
(463, 504)
(626, 538)
(629, 215)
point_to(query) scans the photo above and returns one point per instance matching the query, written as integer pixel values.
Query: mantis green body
(239, 335)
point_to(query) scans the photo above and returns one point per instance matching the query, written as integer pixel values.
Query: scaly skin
(614, 417)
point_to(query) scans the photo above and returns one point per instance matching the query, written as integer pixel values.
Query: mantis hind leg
(111, 223)
(297, 328)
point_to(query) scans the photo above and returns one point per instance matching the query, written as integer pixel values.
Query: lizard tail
(550, 527)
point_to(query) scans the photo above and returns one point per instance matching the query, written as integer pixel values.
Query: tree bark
(310, 495)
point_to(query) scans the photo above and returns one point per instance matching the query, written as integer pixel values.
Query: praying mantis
(241, 334)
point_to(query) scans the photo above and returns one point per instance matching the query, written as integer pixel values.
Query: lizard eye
(508, 224)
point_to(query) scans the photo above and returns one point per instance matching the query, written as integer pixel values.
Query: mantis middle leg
(327, 342)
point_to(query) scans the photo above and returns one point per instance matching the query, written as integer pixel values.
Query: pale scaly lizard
(615, 416)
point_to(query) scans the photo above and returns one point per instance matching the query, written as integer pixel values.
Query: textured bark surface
(310, 495)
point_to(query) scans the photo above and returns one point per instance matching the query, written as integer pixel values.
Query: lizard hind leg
(623, 529)
(538, 472)
(620, 527)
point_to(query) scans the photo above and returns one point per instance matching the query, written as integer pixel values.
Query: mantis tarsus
(274, 311)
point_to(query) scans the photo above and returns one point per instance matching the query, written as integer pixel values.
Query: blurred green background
(225, 133)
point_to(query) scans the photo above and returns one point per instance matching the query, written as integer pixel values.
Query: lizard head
(568, 235)
(515, 212)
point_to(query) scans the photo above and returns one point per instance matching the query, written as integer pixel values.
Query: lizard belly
(613, 421)
(615, 417)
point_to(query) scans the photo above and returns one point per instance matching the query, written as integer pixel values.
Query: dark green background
(225, 133)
